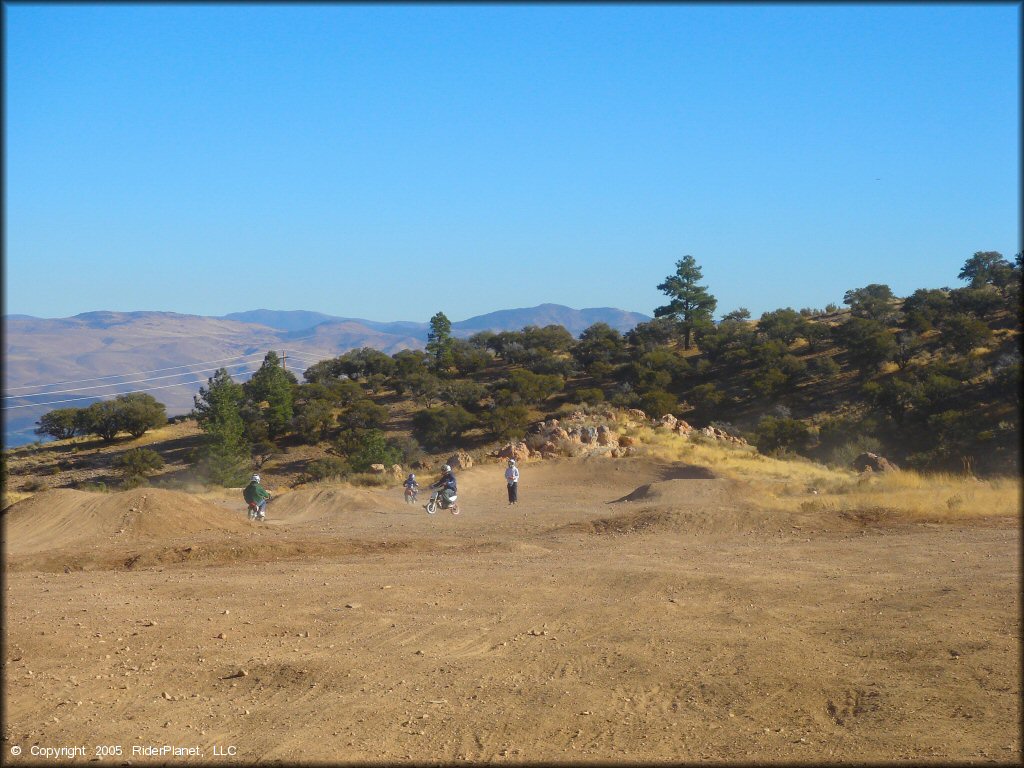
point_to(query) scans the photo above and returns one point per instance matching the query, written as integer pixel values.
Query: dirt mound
(325, 504)
(58, 519)
(681, 505)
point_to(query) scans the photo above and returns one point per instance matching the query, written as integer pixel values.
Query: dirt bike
(437, 500)
(410, 495)
(253, 507)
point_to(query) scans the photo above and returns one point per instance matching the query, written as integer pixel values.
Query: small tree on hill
(59, 424)
(872, 302)
(987, 268)
(141, 412)
(690, 303)
(962, 332)
(272, 385)
(105, 419)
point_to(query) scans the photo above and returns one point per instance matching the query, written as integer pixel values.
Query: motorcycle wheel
(431, 507)
(455, 508)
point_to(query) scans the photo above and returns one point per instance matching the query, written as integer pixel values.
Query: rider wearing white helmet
(512, 481)
(256, 496)
(447, 482)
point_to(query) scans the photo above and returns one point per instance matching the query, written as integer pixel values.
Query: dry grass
(801, 484)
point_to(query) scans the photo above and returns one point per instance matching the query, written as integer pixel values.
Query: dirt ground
(627, 610)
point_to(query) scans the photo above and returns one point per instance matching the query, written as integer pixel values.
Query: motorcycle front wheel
(431, 507)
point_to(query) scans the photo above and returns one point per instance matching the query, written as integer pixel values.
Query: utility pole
(284, 361)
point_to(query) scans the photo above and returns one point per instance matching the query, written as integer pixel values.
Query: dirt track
(625, 610)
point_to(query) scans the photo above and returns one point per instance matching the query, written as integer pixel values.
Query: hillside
(158, 348)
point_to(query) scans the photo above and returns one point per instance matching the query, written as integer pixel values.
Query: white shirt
(512, 475)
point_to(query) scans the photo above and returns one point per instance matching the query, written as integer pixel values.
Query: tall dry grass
(802, 484)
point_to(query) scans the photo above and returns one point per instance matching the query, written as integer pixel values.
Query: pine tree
(691, 303)
(272, 385)
(439, 342)
(217, 410)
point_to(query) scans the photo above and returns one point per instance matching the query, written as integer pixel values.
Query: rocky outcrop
(460, 460)
(714, 433)
(515, 450)
(872, 462)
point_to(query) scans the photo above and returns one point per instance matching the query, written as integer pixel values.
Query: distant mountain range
(70, 362)
(574, 320)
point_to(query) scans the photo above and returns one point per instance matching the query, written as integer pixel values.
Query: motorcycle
(410, 495)
(253, 509)
(437, 500)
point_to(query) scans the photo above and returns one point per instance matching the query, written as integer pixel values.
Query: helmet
(512, 462)
(255, 478)
(412, 476)
(446, 468)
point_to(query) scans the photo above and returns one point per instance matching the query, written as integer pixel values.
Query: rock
(668, 420)
(626, 441)
(460, 460)
(872, 462)
(517, 450)
(636, 413)
(397, 472)
(377, 469)
(606, 437)
(222, 636)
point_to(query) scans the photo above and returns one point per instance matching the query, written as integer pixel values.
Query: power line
(108, 394)
(135, 373)
(122, 383)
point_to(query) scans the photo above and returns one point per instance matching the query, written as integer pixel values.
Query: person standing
(512, 481)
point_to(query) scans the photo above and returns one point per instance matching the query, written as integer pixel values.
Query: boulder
(636, 413)
(872, 462)
(397, 472)
(549, 449)
(377, 469)
(460, 460)
(605, 436)
(668, 420)
(626, 441)
(517, 450)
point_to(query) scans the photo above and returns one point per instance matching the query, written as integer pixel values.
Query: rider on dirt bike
(411, 486)
(447, 482)
(256, 496)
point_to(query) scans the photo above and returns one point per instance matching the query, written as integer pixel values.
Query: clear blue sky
(390, 161)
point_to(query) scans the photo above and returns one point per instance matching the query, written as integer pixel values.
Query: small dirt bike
(437, 500)
(254, 509)
(410, 495)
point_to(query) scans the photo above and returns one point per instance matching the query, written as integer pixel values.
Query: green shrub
(590, 395)
(137, 463)
(327, 468)
(774, 434)
(506, 422)
(440, 427)
(373, 448)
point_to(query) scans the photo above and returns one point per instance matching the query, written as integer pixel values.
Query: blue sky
(390, 161)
